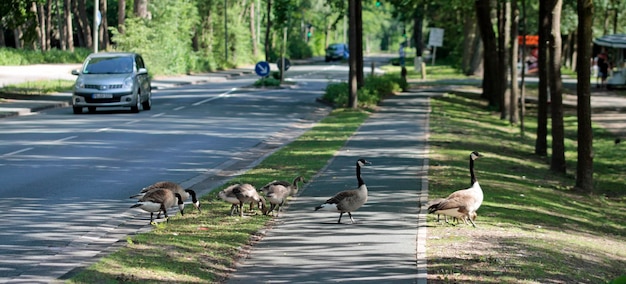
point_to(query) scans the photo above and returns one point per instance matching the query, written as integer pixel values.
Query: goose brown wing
(452, 203)
(341, 196)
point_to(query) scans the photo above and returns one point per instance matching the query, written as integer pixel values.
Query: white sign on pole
(436, 37)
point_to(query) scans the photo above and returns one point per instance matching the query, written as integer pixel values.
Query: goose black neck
(358, 175)
(471, 166)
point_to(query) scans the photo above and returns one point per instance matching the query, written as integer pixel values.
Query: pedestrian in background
(603, 68)
(402, 54)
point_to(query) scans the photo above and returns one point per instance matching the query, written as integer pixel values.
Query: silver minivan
(112, 79)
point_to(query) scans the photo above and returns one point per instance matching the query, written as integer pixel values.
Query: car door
(143, 79)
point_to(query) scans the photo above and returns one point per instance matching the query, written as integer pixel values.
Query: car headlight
(128, 82)
(80, 83)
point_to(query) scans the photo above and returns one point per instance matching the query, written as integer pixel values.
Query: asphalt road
(66, 178)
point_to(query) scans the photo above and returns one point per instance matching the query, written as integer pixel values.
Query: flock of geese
(161, 196)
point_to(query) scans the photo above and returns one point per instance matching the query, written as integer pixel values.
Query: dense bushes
(375, 88)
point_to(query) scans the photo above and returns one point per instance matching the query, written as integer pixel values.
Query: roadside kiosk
(616, 46)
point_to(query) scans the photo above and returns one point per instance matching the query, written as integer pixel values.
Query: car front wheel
(77, 110)
(135, 108)
(147, 105)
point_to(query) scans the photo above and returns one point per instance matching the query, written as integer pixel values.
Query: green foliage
(267, 82)
(375, 88)
(164, 41)
(11, 56)
(299, 49)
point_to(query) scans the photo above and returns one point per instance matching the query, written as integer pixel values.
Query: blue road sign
(262, 68)
(279, 63)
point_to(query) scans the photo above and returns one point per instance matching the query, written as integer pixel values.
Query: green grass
(39, 87)
(12, 56)
(202, 248)
(532, 228)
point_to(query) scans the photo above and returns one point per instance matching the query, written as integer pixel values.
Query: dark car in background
(112, 79)
(337, 51)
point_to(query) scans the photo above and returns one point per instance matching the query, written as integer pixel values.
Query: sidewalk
(385, 245)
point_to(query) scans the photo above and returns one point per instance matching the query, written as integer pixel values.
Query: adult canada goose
(239, 194)
(278, 191)
(462, 204)
(348, 201)
(176, 188)
(158, 200)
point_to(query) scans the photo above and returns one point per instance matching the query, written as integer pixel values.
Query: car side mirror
(75, 72)
(142, 71)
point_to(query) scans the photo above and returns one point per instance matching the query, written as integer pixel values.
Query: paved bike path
(383, 246)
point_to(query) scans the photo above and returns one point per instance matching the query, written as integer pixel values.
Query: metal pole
(96, 9)
(225, 33)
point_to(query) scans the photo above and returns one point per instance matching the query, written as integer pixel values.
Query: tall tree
(557, 163)
(491, 87)
(584, 167)
(84, 28)
(358, 30)
(352, 45)
(541, 142)
(103, 31)
(503, 48)
(141, 8)
(268, 30)
(121, 15)
(514, 56)
(68, 27)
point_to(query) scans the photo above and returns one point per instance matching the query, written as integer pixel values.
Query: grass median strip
(531, 227)
(202, 247)
(39, 87)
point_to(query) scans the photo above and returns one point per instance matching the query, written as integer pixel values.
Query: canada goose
(158, 200)
(277, 192)
(462, 204)
(239, 194)
(350, 200)
(184, 193)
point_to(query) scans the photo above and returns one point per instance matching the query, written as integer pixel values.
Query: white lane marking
(215, 98)
(159, 114)
(179, 108)
(65, 139)
(17, 152)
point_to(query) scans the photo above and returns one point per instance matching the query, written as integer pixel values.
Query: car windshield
(109, 65)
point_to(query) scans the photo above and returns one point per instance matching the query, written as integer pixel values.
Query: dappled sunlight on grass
(532, 228)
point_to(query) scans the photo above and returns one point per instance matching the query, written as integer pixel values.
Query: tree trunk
(575, 50)
(556, 90)
(584, 168)
(514, 56)
(48, 22)
(541, 144)
(490, 58)
(37, 10)
(121, 15)
(476, 63)
(503, 48)
(104, 26)
(83, 24)
(268, 28)
(418, 19)
(141, 9)
(255, 47)
(359, 44)
(352, 46)
(67, 27)
(469, 30)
